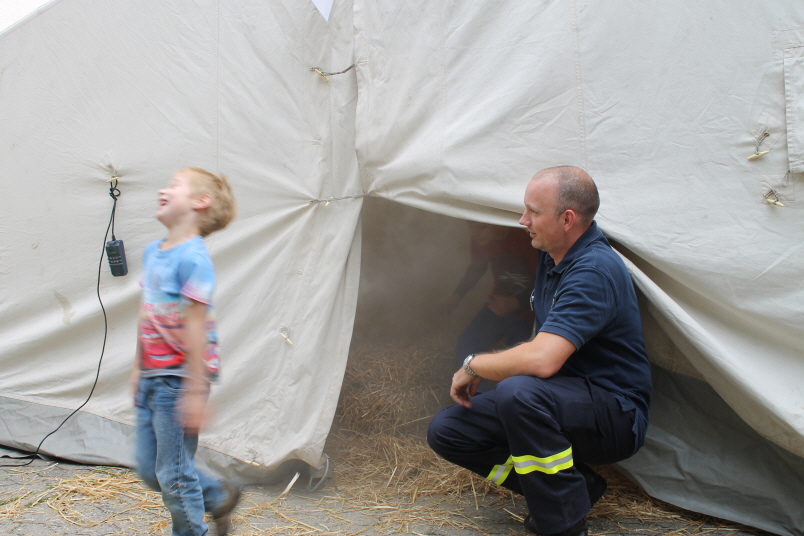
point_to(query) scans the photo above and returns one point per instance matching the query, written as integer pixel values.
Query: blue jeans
(166, 457)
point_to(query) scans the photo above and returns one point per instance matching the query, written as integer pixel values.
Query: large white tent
(448, 107)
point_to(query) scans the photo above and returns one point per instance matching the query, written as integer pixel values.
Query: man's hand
(463, 387)
(193, 410)
(541, 358)
(503, 305)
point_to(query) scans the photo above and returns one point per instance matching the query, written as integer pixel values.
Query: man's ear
(202, 202)
(568, 219)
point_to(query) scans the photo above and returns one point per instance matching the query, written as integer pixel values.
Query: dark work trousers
(531, 435)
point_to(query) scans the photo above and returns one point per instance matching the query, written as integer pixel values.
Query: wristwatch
(467, 368)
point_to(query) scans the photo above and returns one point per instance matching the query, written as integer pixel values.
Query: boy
(177, 352)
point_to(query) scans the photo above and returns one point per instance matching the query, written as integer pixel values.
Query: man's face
(545, 228)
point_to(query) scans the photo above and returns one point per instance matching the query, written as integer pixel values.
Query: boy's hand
(193, 411)
(135, 380)
(193, 403)
(135, 370)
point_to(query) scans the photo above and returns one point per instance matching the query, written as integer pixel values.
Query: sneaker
(578, 529)
(595, 484)
(223, 513)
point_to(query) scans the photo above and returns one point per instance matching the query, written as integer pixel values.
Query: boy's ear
(202, 202)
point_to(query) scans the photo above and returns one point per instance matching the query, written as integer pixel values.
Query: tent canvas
(450, 107)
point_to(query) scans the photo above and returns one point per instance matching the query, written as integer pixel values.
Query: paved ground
(49, 499)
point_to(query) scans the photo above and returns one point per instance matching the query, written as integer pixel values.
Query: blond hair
(222, 209)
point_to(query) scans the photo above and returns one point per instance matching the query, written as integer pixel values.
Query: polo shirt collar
(592, 234)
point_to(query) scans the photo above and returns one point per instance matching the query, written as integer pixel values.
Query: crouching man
(578, 393)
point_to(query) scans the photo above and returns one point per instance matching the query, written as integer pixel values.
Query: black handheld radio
(116, 254)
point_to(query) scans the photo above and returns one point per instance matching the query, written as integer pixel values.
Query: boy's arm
(135, 370)
(197, 381)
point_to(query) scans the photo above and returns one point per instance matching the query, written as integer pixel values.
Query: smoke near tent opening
(412, 260)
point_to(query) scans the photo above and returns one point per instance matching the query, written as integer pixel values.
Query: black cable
(114, 193)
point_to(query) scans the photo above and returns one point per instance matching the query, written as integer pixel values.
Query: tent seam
(443, 99)
(217, 82)
(578, 81)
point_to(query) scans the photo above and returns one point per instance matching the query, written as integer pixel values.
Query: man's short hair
(222, 209)
(576, 191)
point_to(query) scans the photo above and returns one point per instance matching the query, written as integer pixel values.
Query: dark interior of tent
(402, 359)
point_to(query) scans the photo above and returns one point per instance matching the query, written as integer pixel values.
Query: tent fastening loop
(759, 138)
(772, 198)
(330, 199)
(324, 75)
(285, 332)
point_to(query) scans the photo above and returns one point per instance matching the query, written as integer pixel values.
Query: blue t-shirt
(589, 299)
(170, 279)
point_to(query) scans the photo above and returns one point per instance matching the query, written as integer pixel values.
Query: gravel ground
(49, 498)
(387, 386)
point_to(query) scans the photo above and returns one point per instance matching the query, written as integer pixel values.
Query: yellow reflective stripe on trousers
(550, 465)
(499, 473)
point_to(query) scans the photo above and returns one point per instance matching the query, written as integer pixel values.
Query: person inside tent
(579, 392)
(506, 315)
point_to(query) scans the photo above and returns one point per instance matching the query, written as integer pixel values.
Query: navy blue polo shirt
(589, 299)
